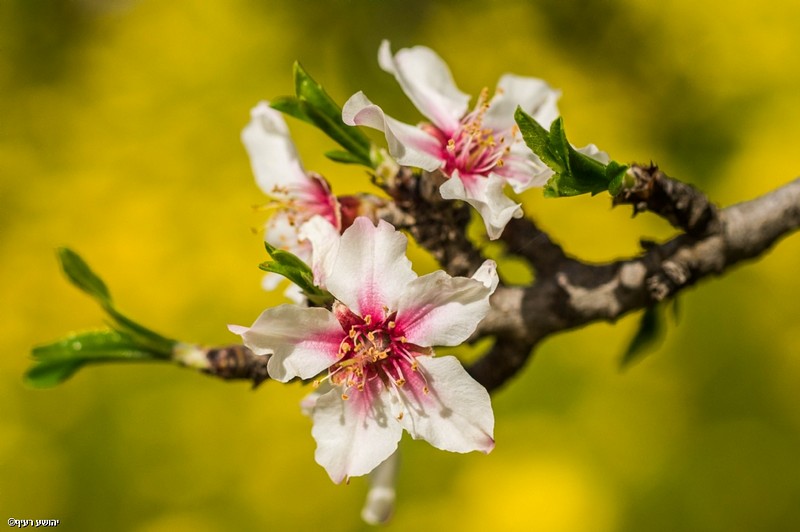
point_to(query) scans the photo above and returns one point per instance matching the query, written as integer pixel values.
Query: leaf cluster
(574, 173)
(313, 105)
(290, 266)
(126, 341)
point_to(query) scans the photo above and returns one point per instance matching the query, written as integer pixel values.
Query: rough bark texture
(568, 293)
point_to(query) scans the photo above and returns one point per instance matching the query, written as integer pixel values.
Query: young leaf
(313, 105)
(48, 374)
(92, 345)
(343, 157)
(79, 274)
(59, 360)
(537, 139)
(82, 276)
(290, 266)
(308, 90)
(647, 337)
(574, 173)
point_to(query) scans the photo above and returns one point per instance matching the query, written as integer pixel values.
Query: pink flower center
(299, 202)
(473, 149)
(373, 350)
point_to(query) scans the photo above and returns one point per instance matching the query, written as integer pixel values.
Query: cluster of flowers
(371, 354)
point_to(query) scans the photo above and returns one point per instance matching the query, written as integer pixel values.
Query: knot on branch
(237, 362)
(680, 204)
(438, 225)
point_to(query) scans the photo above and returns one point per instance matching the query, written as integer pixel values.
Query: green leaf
(79, 274)
(573, 172)
(290, 266)
(57, 361)
(82, 276)
(92, 345)
(313, 105)
(344, 157)
(291, 106)
(647, 337)
(615, 173)
(558, 144)
(49, 374)
(308, 90)
(537, 138)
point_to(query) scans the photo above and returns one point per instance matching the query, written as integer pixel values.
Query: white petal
(281, 232)
(437, 309)
(409, 145)
(379, 505)
(271, 281)
(522, 169)
(371, 269)
(534, 96)
(324, 239)
(455, 415)
(595, 153)
(302, 341)
(428, 83)
(487, 274)
(310, 401)
(273, 156)
(486, 196)
(354, 435)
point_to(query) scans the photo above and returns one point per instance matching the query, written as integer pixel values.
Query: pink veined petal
(437, 309)
(428, 83)
(522, 169)
(486, 196)
(273, 156)
(456, 413)
(534, 96)
(324, 239)
(355, 435)
(301, 341)
(371, 270)
(409, 145)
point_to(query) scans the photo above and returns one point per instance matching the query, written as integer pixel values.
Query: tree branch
(568, 293)
(577, 293)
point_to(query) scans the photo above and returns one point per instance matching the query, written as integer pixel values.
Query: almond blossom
(371, 355)
(295, 195)
(478, 150)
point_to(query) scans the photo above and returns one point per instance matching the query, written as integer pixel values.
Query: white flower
(296, 195)
(375, 347)
(479, 151)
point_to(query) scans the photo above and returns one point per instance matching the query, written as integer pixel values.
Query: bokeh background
(119, 136)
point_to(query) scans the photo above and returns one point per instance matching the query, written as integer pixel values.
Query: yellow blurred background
(119, 136)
